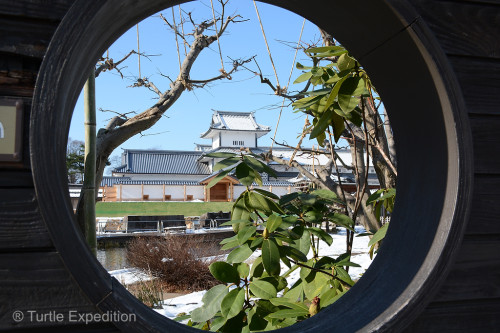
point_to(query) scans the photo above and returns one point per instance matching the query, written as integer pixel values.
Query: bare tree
(121, 127)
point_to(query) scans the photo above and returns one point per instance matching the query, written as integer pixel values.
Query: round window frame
(406, 63)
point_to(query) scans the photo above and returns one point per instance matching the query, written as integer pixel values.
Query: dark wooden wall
(32, 272)
(469, 33)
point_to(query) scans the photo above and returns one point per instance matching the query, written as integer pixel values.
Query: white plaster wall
(175, 191)
(130, 192)
(155, 192)
(247, 137)
(215, 141)
(196, 191)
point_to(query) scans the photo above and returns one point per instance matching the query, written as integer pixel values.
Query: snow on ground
(129, 275)
(187, 303)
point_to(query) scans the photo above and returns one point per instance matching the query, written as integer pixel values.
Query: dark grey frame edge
(392, 296)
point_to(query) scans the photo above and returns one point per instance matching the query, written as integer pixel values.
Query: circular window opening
(420, 254)
(161, 167)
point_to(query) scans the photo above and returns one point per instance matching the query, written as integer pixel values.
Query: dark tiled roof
(158, 182)
(110, 181)
(163, 162)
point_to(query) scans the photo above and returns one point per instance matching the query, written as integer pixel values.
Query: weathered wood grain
(17, 74)
(486, 138)
(479, 79)
(21, 225)
(484, 218)
(41, 9)
(24, 36)
(37, 281)
(458, 317)
(450, 22)
(476, 272)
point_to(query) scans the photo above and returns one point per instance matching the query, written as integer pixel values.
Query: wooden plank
(464, 28)
(38, 282)
(484, 217)
(21, 226)
(25, 37)
(17, 75)
(479, 79)
(473, 316)
(42, 9)
(486, 139)
(476, 272)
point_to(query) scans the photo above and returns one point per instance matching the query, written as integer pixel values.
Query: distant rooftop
(162, 162)
(234, 121)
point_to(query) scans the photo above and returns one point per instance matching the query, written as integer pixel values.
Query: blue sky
(191, 114)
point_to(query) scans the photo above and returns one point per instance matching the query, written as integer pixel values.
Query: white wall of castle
(234, 139)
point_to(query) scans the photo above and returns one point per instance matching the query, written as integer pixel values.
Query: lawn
(114, 209)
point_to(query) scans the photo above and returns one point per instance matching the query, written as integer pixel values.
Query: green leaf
(259, 166)
(322, 49)
(211, 304)
(296, 292)
(232, 222)
(338, 126)
(257, 268)
(230, 243)
(267, 193)
(256, 321)
(322, 124)
(260, 203)
(245, 233)
(325, 194)
(256, 242)
(345, 62)
(303, 77)
(263, 289)
(300, 66)
(243, 269)
(273, 222)
(343, 220)
(245, 174)
(232, 303)
(379, 235)
(217, 178)
(239, 254)
(288, 313)
(271, 257)
(224, 272)
(306, 102)
(217, 323)
(226, 163)
(285, 302)
(221, 155)
(323, 235)
(294, 253)
(304, 243)
(342, 274)
(240, 211)
(328, 297)
(288, 198)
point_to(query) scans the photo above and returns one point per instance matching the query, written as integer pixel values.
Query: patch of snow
(129, 275)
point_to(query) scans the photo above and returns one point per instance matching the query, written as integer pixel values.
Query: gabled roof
(162, 162)
(234, 121)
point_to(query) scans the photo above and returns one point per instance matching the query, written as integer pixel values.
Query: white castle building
(173, 175)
